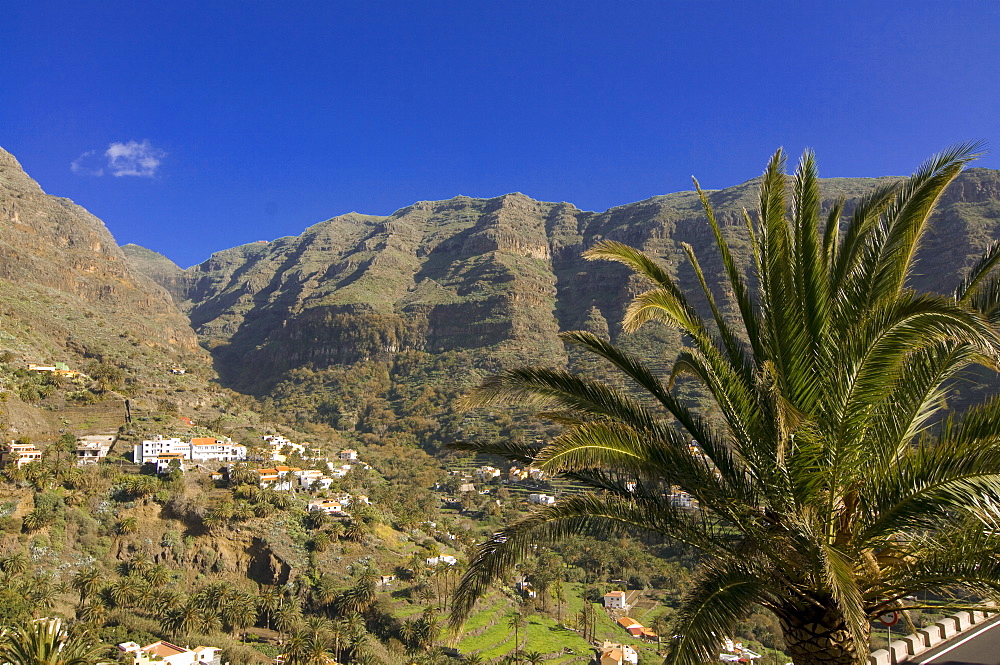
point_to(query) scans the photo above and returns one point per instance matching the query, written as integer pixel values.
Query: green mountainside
(472, 285)
(68, 295)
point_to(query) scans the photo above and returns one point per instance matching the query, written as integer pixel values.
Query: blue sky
(190, 127)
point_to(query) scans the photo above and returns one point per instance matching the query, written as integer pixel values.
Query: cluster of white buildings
(292, 477)
(487, 473)
(348, 459)
(281, 447)
(517, 474)
(338, 505)
(90, 449)
(163, 452)
(733, 652)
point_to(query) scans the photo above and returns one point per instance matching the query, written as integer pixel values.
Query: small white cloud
(134, 158)
(87, 164)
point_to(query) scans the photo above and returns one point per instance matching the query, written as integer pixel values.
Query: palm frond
(737, 283)
(548, 388)
(907, 217)
(982, 269)
(722, 594)
(511, 450)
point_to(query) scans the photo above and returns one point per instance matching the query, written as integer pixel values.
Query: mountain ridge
(499, 277)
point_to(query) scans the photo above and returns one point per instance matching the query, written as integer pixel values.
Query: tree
(831, 485)
(532, 658)
(127, 525)
(239, 611)
(516, 621)
(181, 619)
(46, 642)
(106, 377)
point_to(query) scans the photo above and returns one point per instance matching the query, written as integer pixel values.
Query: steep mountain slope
(68, 294)
(493, 280)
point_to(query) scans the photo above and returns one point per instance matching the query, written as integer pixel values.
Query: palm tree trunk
(819, 636)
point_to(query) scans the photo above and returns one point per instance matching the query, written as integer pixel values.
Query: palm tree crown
(46, 642)
(833, 487)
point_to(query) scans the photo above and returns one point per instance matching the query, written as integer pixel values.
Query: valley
(363, 333)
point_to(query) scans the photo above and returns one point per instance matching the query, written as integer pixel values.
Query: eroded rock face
(265, 567)
(61, 272)
(499, 277)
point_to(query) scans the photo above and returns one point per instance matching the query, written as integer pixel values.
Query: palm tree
(41, 592)
(294, 649)
(516, 621)
(268, 603)
(532, 658)
(317, 648)
(127, 525)
(125, 591)
(834, 487)
(287, 617)
(87, 581)
(157, 575)
(239, 611)
(182, 619)
(15, 563)
(46, 642)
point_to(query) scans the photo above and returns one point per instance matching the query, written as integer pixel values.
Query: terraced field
(488, 633)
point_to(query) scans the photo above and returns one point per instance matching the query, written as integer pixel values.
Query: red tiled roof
(163, 649)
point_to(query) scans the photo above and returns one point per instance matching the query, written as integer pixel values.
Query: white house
(542, 499)
(93, 448)
(149, 450)
(615, 600)
(328, 506)
(629, 655)
(198, 449)
(277, 478)
(307, 477)
(168, 461)
(348, 455)
(278, 442)
(735, 651)
(338, 471)
(487, 473)
(206, 448)
(444, 558)
(681, 500)
(19, 454)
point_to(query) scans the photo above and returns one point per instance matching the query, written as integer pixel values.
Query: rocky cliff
(67, 292)
(496, 276)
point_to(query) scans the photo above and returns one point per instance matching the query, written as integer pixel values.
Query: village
(315, 475)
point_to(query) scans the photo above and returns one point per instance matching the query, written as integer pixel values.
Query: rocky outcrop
(65, 284)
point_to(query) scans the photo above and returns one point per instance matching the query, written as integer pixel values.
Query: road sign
(890, 618)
